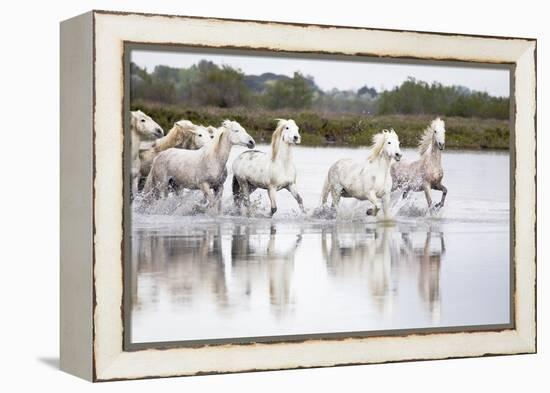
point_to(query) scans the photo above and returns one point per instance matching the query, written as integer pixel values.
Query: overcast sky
(340, 74)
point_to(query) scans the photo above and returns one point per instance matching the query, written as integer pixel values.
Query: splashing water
(478, 192)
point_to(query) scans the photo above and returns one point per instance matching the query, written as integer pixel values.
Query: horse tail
(236, 188)
(324, 193)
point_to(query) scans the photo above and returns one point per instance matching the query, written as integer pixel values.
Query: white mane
(226, 125)
(378, 143)
(277, 136)
(427, 138)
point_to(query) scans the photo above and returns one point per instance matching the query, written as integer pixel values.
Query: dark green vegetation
(207, 94)
(336, 128)
(414, 97)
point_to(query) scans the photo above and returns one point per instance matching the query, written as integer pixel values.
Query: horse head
(438, 127)
(202, 136)
(289, 131)
(391, 144)
(237, 134)
(212, 131)
(145, 127)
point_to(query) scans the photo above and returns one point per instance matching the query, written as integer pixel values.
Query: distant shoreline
(339, 129)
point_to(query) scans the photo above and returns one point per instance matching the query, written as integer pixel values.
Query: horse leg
(134, 173)
(443, 189)
(207, 191)
(218, 193)
(336, 193)
(135, 184)
(244, 194)
(237, 191)
(386, 205)
(292, 189)
(426, 187)
(373, 211)
(272, 192)
(159, 187)
(164, 184)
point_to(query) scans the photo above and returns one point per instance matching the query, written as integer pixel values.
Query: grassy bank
(319, 129)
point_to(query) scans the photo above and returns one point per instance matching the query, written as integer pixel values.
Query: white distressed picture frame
(92, 202)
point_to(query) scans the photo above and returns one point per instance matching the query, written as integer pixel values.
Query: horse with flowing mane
(203, 169)
(426, 173)
(365, 180)
(272, 171)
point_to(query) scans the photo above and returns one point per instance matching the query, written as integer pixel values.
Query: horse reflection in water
(384, 260)
(185, 267)
(236, 269)
(216, 267)
(428, 263)
(257, 255)
(365, 256)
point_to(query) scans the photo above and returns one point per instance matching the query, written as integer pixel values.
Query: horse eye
(235, 130)
(389, 143)
(287, 127)
(143, 120)
(200, 135)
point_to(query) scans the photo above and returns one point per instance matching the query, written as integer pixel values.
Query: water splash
(413, 209)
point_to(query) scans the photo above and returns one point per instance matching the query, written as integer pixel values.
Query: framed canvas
(248, 195)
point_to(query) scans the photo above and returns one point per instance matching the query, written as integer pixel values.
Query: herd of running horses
(194, 157)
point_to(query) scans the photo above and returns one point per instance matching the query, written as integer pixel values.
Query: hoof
(438, 206)
(273, 210)
(370, 212)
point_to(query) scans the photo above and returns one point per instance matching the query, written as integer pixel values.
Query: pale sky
(340, 74)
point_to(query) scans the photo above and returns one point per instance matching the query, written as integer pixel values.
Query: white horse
(426, 173)
(272, 172)
(142, 128)
(183, 134)
(203, 169)
(192, 143)
(365, 180)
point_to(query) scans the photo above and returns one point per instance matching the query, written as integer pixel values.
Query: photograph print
(273, 197)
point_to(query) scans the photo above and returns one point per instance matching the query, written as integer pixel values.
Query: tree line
(212, 85)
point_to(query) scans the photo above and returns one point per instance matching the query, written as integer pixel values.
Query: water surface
(199, 276)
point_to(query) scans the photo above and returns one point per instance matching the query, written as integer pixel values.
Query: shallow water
(202, 276)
